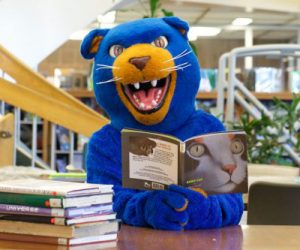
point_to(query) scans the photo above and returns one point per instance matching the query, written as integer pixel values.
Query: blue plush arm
(211, 211)
(138, 208)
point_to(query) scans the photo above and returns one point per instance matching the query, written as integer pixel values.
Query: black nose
(139, 62)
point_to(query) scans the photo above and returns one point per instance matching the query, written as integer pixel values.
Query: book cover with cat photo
(215, 162)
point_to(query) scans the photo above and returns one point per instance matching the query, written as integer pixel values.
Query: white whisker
(185, 66)
(181, 64)
(176, 66)
(182, 54)
(110, 80)
(104, 66)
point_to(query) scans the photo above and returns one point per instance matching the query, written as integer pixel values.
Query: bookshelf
(200, 96)
(87, 97)
(286, 96)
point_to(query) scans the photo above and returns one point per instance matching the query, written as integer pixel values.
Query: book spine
(41, 229)
(86, 211)
(24, 190)
(44, 201)
(181, 164)
(35, 219)
(27, 210)
(31, 238)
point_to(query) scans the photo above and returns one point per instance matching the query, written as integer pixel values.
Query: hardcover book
(58, 220)
(56, 212)
(73, 231)
(50, 201)
(215, 162)
(55, 188)
(108, 240)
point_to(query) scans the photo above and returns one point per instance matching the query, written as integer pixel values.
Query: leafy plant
(266, 136)
(155, 7)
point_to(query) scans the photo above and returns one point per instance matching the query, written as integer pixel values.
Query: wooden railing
(6, 139)
(33, 93)
(29, 91)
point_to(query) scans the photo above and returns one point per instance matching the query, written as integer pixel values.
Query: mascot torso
(146, 76)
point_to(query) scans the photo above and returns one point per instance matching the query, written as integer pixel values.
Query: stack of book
(56, 212)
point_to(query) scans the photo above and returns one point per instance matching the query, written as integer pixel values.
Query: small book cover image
(215, 162)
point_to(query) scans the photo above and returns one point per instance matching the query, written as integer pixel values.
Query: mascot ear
(91, 42)
(178, 24)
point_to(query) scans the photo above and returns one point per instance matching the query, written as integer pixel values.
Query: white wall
(32, 29)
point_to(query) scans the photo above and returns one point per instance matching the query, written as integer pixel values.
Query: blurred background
(46, 36)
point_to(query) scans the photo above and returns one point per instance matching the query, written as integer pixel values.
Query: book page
(217, 162)
(150, 161)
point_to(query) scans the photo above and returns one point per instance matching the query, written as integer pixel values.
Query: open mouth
(147, 97)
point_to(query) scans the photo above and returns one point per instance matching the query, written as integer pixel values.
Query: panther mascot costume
(146, 77)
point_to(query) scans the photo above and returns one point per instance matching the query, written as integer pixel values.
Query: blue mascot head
(145, 73)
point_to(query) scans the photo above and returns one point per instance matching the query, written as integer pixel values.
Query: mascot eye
(237, 147)
(160, 42)
(197, 150)
(115, 50)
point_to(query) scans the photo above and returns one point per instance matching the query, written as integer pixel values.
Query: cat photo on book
(221, 161)
(141, 146)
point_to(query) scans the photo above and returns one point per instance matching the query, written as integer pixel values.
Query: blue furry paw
(212, 211)
(198, 207)
(166, 210)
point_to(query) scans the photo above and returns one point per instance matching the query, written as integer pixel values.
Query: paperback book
(55, 188)
(215, 162)
(69, 177)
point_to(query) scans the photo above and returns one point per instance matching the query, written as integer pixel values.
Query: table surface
(229, 238)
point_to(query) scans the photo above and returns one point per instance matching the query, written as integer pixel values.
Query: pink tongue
(147, 100)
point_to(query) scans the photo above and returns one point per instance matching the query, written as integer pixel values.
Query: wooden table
(229, 238)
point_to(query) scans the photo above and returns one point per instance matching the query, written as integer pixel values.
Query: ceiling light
(242, 21)
(192, 37)
(79, 35)
(195, 32)
(109, 17)
(107, 25)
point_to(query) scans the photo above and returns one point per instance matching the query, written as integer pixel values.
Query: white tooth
(142, 105)
(159, 92)
(154, 103)
(137, 85)
(154, 83)
(149, 107)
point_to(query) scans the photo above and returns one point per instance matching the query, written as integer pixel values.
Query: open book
(215, 162)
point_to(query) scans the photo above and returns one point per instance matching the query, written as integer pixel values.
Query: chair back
(274, 204)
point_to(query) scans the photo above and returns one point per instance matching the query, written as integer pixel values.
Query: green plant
(267, 135)
(155, 7)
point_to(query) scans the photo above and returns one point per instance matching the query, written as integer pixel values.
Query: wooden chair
(274, 204)
(6, 140)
